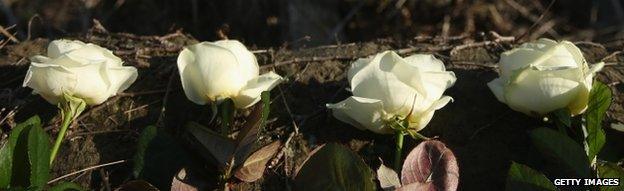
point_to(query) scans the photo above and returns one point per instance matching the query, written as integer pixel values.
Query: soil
(484, 134)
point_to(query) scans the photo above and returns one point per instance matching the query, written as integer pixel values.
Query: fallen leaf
(220, 147)
(388, 179)
(431, 162)
(418, 186)
(248, 135)
(334, 167)
(253, 167)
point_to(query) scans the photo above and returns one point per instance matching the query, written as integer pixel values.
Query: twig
(86, 169)
(30, 21)
(614, 54)
(488, 125)
(303, 60)
(547, 26)
(6, 33)
(105, 177)
(95, 133)
(478, 44)
(140, 107)
(134, 94)
(535, 22)
(9, 115)
(160, 122)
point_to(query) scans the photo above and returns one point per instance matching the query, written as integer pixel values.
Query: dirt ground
(484, 134)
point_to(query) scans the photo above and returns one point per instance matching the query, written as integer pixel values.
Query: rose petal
(426, 62)
(533, 91)
(120, 78)
(363, 113)
(248, 65)
(419, 120)
(49, 81)
(94, 53)
(92, 83)
(250, 94)
(218, 70)
(498, 86)
(59, 47)
(191, 78)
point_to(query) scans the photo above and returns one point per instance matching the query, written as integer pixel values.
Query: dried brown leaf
(220, 147)
(254, 166)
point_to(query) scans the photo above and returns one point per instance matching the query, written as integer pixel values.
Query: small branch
(6, 33)
(134, 94)
(85, 170)
(304, 60)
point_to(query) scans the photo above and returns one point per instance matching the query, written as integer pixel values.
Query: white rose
(213, 71)
(85, 71)
(543, 76)
(388, 86)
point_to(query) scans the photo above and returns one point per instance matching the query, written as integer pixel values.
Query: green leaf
(19, 141)
(5, 165)
(562, 117)
(6, 152)
(39, 156)
(159, 157)
(611, 170)
(15, 132)
(144, 139)
(599, 101)
(67, 186)
(334, 167)
(521, 177)
(562, 151)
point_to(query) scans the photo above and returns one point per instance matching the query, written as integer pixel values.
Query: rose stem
(398, 150)
(67, 119)
(227, 116)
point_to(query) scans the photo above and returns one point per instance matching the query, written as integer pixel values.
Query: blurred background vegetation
(315, 22)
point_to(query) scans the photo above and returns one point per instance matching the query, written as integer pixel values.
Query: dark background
(267, 23)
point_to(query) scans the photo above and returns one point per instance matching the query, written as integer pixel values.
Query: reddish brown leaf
(254, 166)
(418, 186)
(220, 147)
(248, 135)
(431, 162)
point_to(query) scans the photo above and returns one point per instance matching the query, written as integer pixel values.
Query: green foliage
(227, 115)
(39, 156)
(561, 150)
(611, 170)
(521, 177)
(599, 101)
(158, 158)
(334, 167)
(562, 118)
(25, 159)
